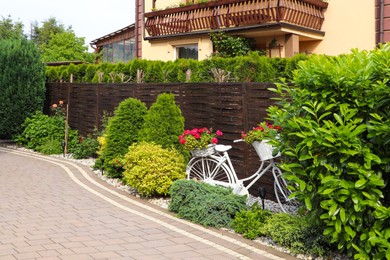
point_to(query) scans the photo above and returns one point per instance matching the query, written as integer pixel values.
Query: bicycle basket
(203, 152)
(264, 150)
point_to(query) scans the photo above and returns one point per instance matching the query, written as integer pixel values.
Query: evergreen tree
(163, 123)
(22, 84)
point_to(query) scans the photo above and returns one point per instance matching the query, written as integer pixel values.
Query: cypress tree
(22, 84)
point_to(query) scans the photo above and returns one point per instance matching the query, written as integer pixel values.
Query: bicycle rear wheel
(210, 171)
(282, 193)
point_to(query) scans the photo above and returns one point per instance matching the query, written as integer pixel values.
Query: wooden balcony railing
(234, 13)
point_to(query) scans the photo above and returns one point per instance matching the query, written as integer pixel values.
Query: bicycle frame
(256, 176)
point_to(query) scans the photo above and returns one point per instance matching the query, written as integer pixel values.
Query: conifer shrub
(185, 65)
(151, 169)
(22, 84)
(205, 204)
(122, 131)
(163, 123)
(154, 72)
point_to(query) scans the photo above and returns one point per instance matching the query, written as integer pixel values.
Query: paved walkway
(56, 209)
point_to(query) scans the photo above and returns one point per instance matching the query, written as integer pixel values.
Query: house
(118, 46)
(171, 29)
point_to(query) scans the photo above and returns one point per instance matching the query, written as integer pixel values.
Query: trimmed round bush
(151, 169)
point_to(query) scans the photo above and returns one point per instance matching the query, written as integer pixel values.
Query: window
(121, 51)
(187, 52)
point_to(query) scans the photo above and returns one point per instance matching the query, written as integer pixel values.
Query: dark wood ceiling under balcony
(226, 14)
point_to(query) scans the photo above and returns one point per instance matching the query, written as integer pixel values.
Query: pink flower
(182, 141)
(54, 105)
(218, 133)
(187, 132)
(194, 131)
(197, 136)
(214, 140)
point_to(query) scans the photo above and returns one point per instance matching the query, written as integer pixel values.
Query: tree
(66, 46)
(10, 29)
(22, 84)
(42, 35)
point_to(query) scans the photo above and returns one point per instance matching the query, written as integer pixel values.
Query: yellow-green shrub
(151, 170)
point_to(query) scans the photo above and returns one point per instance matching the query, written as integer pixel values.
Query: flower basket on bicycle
(203, 152)
(259, 137)
(264, 150)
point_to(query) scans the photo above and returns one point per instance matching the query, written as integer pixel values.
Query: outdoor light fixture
(262, 193)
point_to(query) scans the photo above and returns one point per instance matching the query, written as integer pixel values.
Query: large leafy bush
(45, 134)
(334, 145)
(121, 132)
(151, 169)
(22, 84)
(205, 204)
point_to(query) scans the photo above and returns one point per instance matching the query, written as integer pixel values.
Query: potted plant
(200, 141)
(259, 136)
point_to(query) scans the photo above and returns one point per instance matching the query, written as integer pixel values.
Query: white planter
(264, 150)
(203, 152)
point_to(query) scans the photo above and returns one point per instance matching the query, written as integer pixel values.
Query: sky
(90, 19)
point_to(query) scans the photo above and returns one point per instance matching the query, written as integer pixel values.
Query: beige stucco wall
(165, 50)
(348, 24)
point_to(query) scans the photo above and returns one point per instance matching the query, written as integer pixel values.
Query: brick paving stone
(49, 213)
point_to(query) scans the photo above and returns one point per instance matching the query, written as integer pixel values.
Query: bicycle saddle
(222, 148)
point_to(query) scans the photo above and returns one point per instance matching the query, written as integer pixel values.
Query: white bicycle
(213, 166)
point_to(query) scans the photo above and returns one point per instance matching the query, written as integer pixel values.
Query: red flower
(214, 140)
(197, 136)
(218, 133)
(182, 141)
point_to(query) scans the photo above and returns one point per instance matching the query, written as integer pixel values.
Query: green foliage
(154, 72)
(66, 47)
(151, 169)
(250, 68)
(334, 135)
(163, 123)
(122, 131)
(45, 134)
(250, 223)
(41, 35)
(22, 84)
(230, 46)
(10, 29)
(205, 204)
(295, 233)
(85, 148)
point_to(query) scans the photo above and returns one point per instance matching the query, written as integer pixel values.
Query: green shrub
(154, 72)
(121, 132)
(205, 204)
(332, 151)
(22, 84)
(45, 134)
(151, 169)
(250, 223)
(163, 123)
(87, 147)
(295, 233)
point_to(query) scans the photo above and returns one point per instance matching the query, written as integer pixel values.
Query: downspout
(381, 7)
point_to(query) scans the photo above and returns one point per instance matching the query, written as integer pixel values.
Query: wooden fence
(229, 107)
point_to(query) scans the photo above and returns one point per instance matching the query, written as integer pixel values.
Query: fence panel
(230, 107)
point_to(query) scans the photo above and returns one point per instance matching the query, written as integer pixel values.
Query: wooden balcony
(226, 14)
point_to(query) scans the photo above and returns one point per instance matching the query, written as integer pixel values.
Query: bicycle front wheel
(282, 193)
(210, 171)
